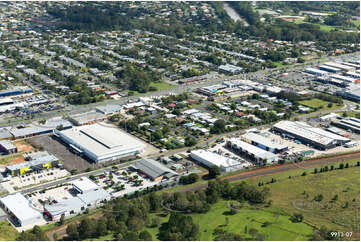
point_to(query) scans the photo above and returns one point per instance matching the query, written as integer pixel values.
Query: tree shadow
(227, 213)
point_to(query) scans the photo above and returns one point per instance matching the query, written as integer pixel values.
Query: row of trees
(127, 219)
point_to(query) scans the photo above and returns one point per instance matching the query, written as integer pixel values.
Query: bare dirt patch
(16, 160)
(23, 146)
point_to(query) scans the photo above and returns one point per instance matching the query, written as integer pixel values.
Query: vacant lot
(280, 228)
(11, 159)
(22, 145)
(316, 103)
(297, 194)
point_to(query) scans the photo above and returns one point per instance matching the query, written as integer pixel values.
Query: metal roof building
(90, 117)
(30, 131)
(21, 209)
(340, 66)
(352, 93)
(351, 124)
(7, 147)
(110, 109)
(67, 207)
(13, 92)
(155, 170)
(254, 152)
(307, 134)
(329, 69)
(56, 122)
(101, 142)
(315, 71)
(5, 134)
(346, 79)
(84, 184)
(264, 143)
(36, 164)
(210, 159)
(75, 205)
(94, 197)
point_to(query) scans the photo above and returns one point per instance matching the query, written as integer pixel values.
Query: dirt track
(279, 168)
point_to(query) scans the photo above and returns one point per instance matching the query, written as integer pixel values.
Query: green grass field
(317, 103)
(288, 198)
(350, 114)
(288, 194)
(107, 237)
(7, 231)
(161, 86)
(356, 22)
(281, 228)
(323, 27)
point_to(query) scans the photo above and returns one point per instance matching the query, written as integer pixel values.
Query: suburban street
(256, 76)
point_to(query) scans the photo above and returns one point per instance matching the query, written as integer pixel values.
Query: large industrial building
(253, 152)
(90, 117)
(340, 66)
(40, 163)
(153, 169)
(346, 79)
(84, 184)
(351, 93)
(315, 72)
(329, 69)
(48, 127)
(306, 134)
(89, 195)
(349, 124)
(210, 159)
(101, 142)
(21, 211)
(17, 91)
(264, 143)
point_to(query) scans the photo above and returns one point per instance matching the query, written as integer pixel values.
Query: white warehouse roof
(339, 66)
(254, 150)
(264, 141)
(84, 184)
(214, 158)
(101, 141)
(20, 207)
(304, 130)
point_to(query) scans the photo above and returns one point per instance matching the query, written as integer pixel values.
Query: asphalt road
(257, 76)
